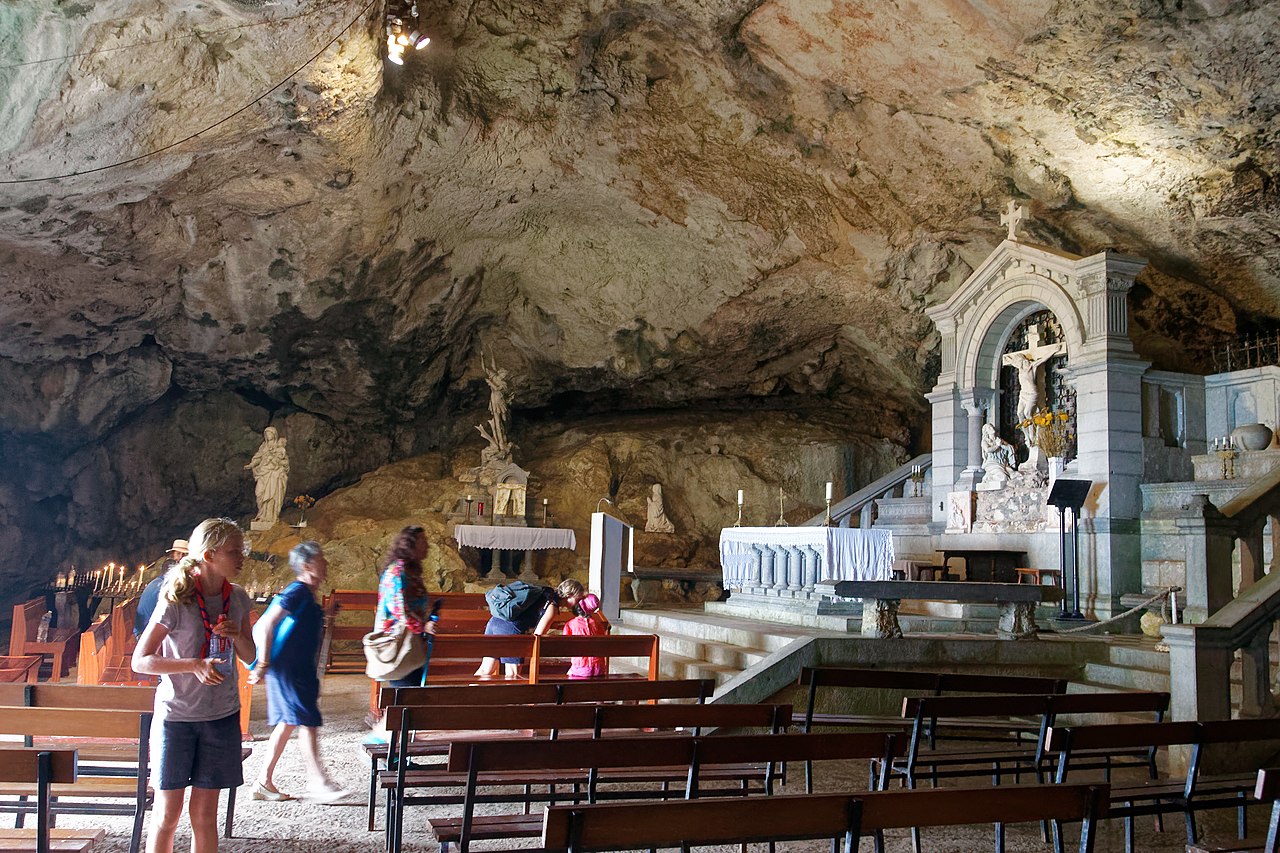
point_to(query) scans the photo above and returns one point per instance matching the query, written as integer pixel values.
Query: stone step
(784, 614)
(1138, 656)
(1127, 677)
(723, 654)
(712, 627)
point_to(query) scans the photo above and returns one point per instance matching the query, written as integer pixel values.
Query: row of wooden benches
(109, 728)
(901, 752)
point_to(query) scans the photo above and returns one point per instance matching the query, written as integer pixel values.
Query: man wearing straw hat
(151, 595)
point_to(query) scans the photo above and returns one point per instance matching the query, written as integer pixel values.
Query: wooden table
(989, 565)
(1018, 602)
(14, 668)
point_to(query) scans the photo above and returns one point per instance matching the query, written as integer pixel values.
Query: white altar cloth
(845, 553)
(514, 538)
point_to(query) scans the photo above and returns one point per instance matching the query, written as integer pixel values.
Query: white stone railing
(858, 509)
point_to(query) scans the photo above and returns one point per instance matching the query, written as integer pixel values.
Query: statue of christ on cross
(1027, 362)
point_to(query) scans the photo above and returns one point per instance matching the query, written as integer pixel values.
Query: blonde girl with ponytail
(201, 620)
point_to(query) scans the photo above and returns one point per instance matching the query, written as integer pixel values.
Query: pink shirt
(594, 625)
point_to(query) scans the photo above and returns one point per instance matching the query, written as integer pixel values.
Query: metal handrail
(860, 501)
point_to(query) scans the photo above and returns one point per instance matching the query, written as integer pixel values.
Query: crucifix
(1027, 362)
(1012, 217)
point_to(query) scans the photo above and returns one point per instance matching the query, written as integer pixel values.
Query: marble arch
(1089, 298)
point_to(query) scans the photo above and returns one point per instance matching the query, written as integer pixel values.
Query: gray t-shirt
(181, 697)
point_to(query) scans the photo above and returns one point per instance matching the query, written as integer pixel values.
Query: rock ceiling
(632, 206)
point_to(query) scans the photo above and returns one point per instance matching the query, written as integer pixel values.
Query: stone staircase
(720, 644)
(708, 645)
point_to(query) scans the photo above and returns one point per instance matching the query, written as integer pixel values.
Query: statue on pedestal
(496, 433)
(1027, 362)
(270, 467)
(656, 520)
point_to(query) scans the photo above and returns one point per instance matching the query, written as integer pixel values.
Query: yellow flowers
(304, 502)
(1049, 430)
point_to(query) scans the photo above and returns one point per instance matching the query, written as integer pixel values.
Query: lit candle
(61, 581)
(468, 498)
(829, 489)
(544, 501)
(739, 497)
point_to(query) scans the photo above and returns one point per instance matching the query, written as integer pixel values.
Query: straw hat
(181, 547)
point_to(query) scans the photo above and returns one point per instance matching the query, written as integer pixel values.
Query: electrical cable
(223, 120)
(136, 44)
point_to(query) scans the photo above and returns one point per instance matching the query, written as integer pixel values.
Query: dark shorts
(199, 755)
(504, 628)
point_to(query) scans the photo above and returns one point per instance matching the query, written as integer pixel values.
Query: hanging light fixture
(403, 30)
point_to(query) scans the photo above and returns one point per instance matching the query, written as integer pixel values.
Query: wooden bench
(94, 747)
(115, 785)
(1267, 790)
(880, 600)
(521, 721)
(61, 643)
(685, 823)
(636, 760)
(940, 764)
(565, 692)
(1187, 794)
(847, 816)
(43, 769)
(20, 668)
(460, 613)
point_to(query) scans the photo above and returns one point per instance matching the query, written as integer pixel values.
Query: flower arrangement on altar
(1049, 430)
(303, 503)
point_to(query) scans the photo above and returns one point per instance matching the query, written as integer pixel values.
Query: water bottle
(220, 650)
(42, 630)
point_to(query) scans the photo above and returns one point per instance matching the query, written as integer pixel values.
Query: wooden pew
(684, 823)
(1266, 790)
(117, 785)
(1187, 794)
(565, 692)
(62, 643)
(95, 697)
(634, 760)
(43, 769)
(982, 762)
(631, 826)
(403, 722)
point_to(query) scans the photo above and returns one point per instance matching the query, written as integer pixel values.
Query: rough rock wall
(711, 207)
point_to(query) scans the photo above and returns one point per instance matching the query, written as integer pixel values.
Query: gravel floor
(307, 827)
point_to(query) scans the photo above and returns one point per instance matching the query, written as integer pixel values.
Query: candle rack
(917, 478)
(1228, 456)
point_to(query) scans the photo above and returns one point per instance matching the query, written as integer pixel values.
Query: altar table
(514, 538)
(840, 553)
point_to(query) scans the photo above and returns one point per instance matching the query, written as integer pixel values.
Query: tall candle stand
(468, 500)
(917, 477)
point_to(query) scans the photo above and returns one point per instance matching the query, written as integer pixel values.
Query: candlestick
(782, 521)
(544, 512)
(468, 500)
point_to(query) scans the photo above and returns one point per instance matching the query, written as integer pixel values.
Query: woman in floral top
(402, 595)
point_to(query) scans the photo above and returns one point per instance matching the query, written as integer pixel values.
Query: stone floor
(312, 828)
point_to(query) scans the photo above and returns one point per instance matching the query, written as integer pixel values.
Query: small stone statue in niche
(656, 520)
(997, 457)
(270, 467)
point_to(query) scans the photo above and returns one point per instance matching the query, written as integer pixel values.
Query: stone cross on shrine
(1013, 215)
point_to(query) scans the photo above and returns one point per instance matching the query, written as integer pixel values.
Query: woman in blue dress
(288, 638)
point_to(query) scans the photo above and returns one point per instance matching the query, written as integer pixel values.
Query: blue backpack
(513, 600)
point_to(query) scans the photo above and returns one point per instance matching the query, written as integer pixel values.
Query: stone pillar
(795, 569)
(1252, 563)
(753, 572)
(780, 561)
(1256, 698)
(812, 567)
(1107, 377)
(766, 567)
(975, 409)
(1199, 672)
(1208, 538)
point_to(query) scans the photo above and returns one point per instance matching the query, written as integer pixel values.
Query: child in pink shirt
(589, 622)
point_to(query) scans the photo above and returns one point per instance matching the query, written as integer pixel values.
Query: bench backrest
(618, 645)
(631, 826)
(896, 809)
(1121, 736)
(26, 621)
(74, 722)
(1268, 787)
(549, 694)
(88, 697)
(23, 765)
(1034, 705)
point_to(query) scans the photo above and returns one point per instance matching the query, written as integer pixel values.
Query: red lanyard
(204, 612)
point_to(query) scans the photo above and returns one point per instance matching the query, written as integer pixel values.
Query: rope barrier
(1163, 594)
